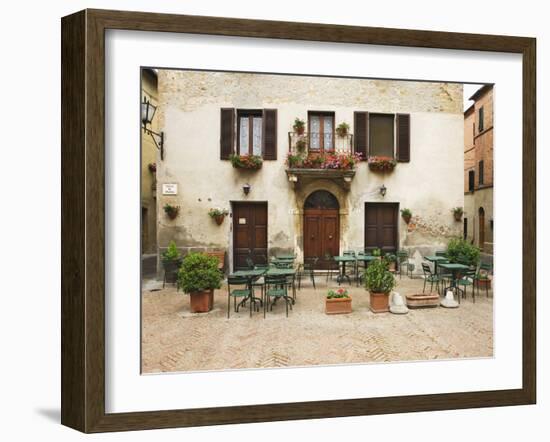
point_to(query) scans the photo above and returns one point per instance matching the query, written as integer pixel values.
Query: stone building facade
(207, 116)
(478, 170)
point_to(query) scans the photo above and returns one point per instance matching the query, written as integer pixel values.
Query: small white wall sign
(170, 189)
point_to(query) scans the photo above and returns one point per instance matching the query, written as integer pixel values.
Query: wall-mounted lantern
(382, 190)
(147, 113)
(246, 188)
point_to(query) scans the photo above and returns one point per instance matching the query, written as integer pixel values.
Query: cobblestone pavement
(173, 339)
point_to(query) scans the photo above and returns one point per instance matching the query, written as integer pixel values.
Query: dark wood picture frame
(83, 220)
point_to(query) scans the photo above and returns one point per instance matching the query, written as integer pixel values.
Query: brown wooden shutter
(269, 134)
(227, 133)
(403, 137)
(361, 133)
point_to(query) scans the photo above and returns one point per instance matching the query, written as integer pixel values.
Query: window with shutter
(321, 131)
(381, 135)
(361, 133)
(269, 139)
(480, 117)
(227, 132)
(471, 180)
(249, 132)
(403, 137)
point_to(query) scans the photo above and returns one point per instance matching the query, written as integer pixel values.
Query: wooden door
(249, 234)
(481, 227)
(381, 226)
(321, 234)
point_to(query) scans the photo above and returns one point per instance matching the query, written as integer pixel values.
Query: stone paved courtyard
(173, 339)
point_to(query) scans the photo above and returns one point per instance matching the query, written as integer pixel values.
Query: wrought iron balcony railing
(314, 142)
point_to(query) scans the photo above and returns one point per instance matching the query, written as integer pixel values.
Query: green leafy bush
(459, 247)
(199, 272)
(171, 253)
(378, 278)
(406, 213)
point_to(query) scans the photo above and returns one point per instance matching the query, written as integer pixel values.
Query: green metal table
(274, 271)
(454, 268)
(342, 260)
(436, 260)
(250, 275)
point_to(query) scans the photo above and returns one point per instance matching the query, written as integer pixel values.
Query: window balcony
(321, 156)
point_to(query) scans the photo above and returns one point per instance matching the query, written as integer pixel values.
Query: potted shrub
(299, 126)
(337, 301)
(391, 260)
(379, 281)
(301, 145)
(407, 215)
(376, 252)
(171, 211)
(171, 261)
(250, 162)
(458, 212)
(342, 130)
(199, 276)
(218, 214)
(459, 247)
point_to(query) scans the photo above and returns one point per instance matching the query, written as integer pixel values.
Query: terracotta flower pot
(201, 302)
(391, 266)
(458, 216)
(483, 283)
(335, 306)
(299, 130)
(219, 219)
(407, 218)
(379, 302)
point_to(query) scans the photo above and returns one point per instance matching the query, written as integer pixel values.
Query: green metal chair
(430, 277)
(403, 262)
(482, 273)
(276, 287)
(242, 293)
(308, 269)
(332, 266)
(441, 253)
(467, 280)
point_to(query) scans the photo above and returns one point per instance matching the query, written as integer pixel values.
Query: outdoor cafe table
(344, 259)
(454, 268)
(436, 260)
(250, 275)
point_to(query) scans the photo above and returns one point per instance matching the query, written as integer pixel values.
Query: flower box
(333, 161)
(336, 306)
(250, 162)
(381, 164)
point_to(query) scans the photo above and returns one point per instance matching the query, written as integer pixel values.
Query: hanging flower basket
(458, 212)
(381, 164)
(218, 215)
(171, 211)
(250, 162)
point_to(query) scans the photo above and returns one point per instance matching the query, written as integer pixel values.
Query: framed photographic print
(268, 221)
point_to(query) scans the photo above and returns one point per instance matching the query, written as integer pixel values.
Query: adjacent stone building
(315, 202)
(478, 170)
(148, 167)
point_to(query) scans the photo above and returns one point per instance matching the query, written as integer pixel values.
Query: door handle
(330, 237)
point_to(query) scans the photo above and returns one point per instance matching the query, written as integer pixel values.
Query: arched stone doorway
(321, 226)
(481, 213)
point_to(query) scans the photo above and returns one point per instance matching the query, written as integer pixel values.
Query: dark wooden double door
(381, 226)
(249, 234)
(321, 234)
